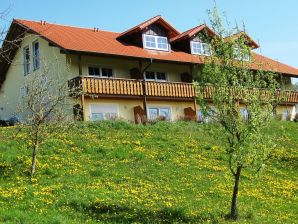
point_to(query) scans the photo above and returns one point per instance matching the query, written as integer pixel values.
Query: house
(145, 71)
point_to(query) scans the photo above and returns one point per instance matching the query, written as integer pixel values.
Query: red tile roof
(104, 42)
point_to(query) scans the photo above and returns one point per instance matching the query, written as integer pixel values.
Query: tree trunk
(33, 165)
(234, 211)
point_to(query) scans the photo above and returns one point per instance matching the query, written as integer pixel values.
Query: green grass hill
(114, 172)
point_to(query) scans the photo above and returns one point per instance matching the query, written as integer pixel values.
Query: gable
(156, 30)
(157, 20)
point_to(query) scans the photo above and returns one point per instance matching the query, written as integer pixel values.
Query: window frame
(202, 44)
(24, 91)
(244, 113)
(34, 57)
(103, 104)
(26, 63)
(155, 77)
(237, 55)
(156, 42)
(158, 108)
(100, 67)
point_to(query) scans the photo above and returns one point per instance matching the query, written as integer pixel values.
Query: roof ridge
(63, 25)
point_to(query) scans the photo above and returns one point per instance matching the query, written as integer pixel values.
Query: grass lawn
(113, 172)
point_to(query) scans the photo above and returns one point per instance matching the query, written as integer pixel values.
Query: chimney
(95, 29)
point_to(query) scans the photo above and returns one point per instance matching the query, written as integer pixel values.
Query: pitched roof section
(268, 64)
(192, 32)
(102, 42)
(252, 43)
(157, 19)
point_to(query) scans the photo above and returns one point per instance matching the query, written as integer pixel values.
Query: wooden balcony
(112, 87)
(132, 88)
(283, 96)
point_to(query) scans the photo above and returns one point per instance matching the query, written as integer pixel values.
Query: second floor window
(200, 48)
(26, 54)
(241, 55)
(36, 55)
(155, 76)
(101, 72)
(156, 42)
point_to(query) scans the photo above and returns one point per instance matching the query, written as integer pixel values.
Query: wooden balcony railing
(170, 89)
(138, 88)
(283, 96)
(132, 87)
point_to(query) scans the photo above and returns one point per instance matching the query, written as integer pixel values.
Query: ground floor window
(209, 117)
(200, 116)
(286, 115)
(163, 113)
(244, 113)
(99, 112)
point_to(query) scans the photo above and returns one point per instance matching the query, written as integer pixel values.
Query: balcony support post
(82, 83)
(145, 98)
(195, 108)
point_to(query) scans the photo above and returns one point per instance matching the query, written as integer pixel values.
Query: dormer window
(241, 56)
(156, 42)
(200, 48)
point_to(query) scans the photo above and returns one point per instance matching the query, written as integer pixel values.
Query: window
(26, 54)
(99, 112)
(156, 42)
(206, 118)
(285, 115)
(101, 72)
(200, 48)
(159, 113)
(155, 76)
(36, 55)
(238, 55)
(106, 72)
(244, 113)
(200, 116)
(94, 71)
(24, 91)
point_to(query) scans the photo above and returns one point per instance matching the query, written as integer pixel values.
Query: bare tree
(242, 101)
(45, 108)
(11, 36)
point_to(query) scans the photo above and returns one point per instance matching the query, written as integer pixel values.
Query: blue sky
(272, 23)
